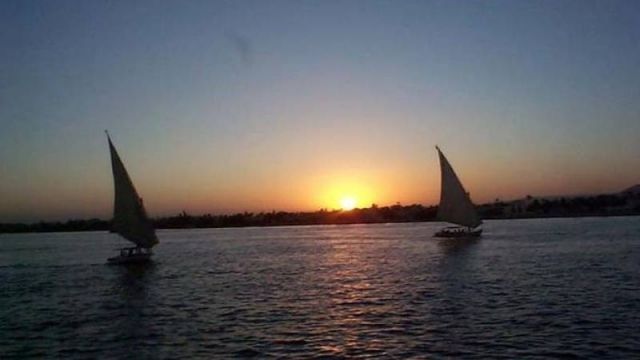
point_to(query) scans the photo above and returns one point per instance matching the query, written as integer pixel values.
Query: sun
(348, 203)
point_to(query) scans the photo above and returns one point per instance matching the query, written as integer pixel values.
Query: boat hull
(458, 233)
(131, 256)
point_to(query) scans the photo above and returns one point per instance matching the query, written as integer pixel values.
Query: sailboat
(455, 205)
(129, 216)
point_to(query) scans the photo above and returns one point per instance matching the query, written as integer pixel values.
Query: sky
(225, 106)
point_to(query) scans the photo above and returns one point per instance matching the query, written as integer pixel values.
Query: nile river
(543, 288)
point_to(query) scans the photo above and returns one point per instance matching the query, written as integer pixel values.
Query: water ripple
(528, 289)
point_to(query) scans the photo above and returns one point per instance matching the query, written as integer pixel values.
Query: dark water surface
(529, 288)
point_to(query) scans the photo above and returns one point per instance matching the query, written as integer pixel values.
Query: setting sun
(348, 203)
(347, 191)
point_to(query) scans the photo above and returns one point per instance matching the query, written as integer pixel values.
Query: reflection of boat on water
(457, 245)
(130, 298)
(455, 205)
(129, 216)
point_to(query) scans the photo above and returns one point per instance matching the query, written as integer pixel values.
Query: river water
(544, 288)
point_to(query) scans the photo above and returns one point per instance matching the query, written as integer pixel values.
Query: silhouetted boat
(129, 216)
(455, 205)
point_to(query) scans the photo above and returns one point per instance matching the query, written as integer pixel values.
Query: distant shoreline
(623, 204)
(577, 216)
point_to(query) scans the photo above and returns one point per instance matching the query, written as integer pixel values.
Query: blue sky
(220, 106)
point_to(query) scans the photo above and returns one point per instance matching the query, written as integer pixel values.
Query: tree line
(600, 205)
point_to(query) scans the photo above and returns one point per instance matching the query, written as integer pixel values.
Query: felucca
(129, 216)
(455, 205)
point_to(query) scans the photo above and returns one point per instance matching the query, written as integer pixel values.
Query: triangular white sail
(455, 206)
(129, 217)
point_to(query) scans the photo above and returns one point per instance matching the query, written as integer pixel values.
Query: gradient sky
(220, 106)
